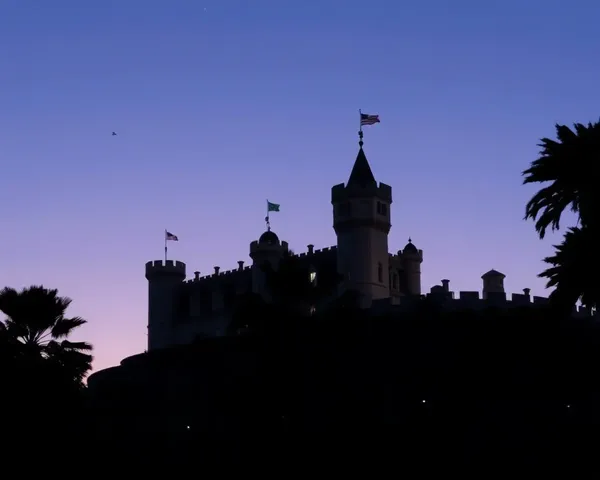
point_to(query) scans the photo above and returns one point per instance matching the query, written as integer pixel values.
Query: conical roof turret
(361, 175)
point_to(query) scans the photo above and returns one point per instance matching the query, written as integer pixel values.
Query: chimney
(217, 270)
(311, 249)
(527, 291)
(196, 276)
(446, 285)
(240, 264)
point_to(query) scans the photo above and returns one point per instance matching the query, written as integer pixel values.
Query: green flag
(272, 207)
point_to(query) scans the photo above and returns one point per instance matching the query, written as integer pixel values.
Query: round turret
(268, 249)
(268, 238)
(410, 248)
(164, 279)
(268, 245)
(412, 258)
(161, 268)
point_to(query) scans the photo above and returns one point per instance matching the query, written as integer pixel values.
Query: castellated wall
(204, 304)
(472, 300)
(184, 310)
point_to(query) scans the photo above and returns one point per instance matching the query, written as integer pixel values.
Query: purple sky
(221, 104)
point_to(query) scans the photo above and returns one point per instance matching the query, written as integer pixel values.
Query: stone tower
(361, 220)
(164, 278)
(412, 258)
(268, 249)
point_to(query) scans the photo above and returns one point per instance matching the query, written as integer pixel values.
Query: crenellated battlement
(162, 267)
(473, 301)
(418, 254)
(341, 192)
(467, 300)
(258, 247)
(217, 276)
(319, 251)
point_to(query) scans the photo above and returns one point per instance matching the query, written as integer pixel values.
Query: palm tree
(574, 271)
(571, 164)
(37, 328)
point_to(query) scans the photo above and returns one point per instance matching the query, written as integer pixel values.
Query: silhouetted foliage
(570, 165)
(36, 327)
(574, 271)
(41, 372)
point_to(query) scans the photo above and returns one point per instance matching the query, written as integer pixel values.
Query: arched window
(380, 272)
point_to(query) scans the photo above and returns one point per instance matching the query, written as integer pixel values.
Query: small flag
(170, 236)
(272, 207)
(366, 119)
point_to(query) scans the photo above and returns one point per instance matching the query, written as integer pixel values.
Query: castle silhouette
(180, 311)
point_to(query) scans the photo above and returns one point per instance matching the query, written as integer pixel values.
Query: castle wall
(181, 312)
(203, 306)
(468, 300)
(206, 304)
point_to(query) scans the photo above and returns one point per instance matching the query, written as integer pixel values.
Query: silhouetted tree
(36, 331)
(570, 164)
(574, 271)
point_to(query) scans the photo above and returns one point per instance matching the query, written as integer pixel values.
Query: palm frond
(76, 346)
(569, 163)
(573, 271)
(65, 326)
(34, 324)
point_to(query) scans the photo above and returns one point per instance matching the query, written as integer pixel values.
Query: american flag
(366, 119)
(170, 236)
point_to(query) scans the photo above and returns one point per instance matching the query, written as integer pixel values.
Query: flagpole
(360, 132)
(267, 217)
(165, 247)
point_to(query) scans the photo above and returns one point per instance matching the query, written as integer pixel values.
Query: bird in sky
(114, 134)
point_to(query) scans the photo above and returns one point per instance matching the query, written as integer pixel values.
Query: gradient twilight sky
(221, 104)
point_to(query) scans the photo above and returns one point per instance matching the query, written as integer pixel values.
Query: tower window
(380, 272)
(312, 277)
(381, 208)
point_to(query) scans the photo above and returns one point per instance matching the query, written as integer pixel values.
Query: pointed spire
(361, 174)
